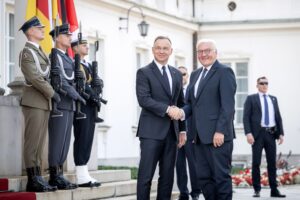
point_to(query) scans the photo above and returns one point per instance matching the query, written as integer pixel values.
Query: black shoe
(256, 194)
(98, 120)
(183, 197)
(276, 193)
(39, 176)
(90, 184)
(36, 183)
(57, 179)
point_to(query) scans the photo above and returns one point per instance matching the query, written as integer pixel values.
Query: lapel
(38, 51)
(210, 73)
(174, 79)
(257, 100)
(159, 76)
(65, 57)
(193, 82)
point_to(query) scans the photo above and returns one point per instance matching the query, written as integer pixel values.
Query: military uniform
(84, 129)
(60, 127)
(36, 106)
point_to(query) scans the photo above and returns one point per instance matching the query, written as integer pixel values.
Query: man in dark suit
(159, 91)
(60, 127)
(211, 104)
(263, 125)
(186, 153)
(36, 103)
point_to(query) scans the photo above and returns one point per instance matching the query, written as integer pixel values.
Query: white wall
(217, 10)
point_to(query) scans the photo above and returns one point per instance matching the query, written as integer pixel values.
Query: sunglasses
(263, 83)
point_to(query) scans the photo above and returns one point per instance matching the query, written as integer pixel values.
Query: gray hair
(205, 40)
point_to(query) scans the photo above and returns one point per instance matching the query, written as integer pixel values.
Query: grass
(133, 170)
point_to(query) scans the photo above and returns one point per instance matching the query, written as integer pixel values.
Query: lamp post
(143, 26)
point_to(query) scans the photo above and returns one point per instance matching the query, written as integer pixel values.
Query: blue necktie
(267, 120)
(166, 79)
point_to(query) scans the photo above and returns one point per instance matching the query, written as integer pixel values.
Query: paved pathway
(292, 192)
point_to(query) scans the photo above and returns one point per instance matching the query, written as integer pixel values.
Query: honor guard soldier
(60, 126)
(84, 128)
(36, 103)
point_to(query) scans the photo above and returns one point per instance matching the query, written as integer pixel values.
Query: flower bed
(244, 178)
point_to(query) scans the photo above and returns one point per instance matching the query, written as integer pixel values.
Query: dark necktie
(201, 79)
(266, 120)
(166, 79)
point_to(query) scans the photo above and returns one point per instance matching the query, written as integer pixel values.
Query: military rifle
(79, 81)
(97, 84)
(55, 78)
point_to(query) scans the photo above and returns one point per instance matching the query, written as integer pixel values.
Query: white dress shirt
(198, 81)
(272, 122)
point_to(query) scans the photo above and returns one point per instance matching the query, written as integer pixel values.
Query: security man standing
(263, 125)
(84, 128)
(36, 103)
(60, 127)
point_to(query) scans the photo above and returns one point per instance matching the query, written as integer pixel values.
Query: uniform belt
(269, 129)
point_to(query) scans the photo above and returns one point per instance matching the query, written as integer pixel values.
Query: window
(10, 47)
(179, 61)
(240, 69)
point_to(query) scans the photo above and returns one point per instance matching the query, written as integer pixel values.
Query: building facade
(255, 38)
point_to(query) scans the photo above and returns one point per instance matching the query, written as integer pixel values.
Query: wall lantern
(143, 26)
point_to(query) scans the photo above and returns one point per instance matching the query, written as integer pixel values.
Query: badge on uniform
(25, 55)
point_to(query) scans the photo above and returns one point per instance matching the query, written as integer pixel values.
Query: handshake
(175, 113)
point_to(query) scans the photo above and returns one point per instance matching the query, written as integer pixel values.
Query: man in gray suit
(36, 103)
(60, 127)
(211, 104)
(159, 90)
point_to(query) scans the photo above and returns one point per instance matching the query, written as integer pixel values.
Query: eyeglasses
(263, 83)
(183, 74)
(205, 51)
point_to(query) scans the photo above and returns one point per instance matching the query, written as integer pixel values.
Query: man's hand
(218, 139)
(250, 138)
(280, 139)
(56, 97)
(182, 139)
(175, 113)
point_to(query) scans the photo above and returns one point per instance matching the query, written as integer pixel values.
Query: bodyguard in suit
(159, 90)
(60, 127)
(263, 125)
(186, 153)
(36, 103)
(211, 104)
(84, 128)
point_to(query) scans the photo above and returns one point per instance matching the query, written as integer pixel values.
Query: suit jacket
(253, 113)
(154, 98)
(67, 102)
(212, 109)
(38, 92)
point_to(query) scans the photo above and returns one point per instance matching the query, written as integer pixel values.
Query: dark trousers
(84, 135)
(266, 141)
(59, 137)
(152, 152)
(213, 165)
(186, 153)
